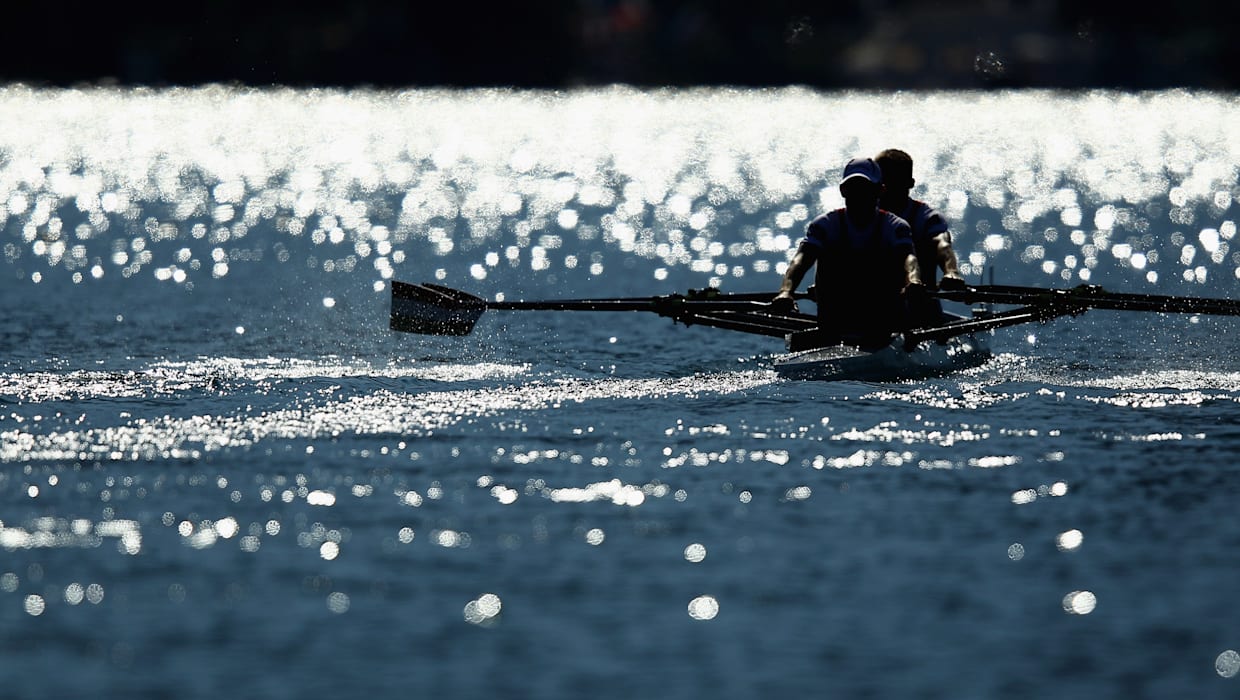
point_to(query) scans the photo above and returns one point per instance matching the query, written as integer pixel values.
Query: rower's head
(861, 184)
(897, 169)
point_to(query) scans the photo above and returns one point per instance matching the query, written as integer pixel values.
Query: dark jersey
(860, 273)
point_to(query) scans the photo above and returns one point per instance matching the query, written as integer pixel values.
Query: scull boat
(952, 346)
(892, 362)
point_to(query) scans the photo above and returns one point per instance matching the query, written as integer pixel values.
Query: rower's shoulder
(894, 220)
(829, 217)
(924, 216)
(826, 222)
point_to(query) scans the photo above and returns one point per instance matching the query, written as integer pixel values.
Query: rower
(865, 265)
(931, 238)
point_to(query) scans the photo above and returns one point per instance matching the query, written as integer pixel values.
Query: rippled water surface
(221, 473)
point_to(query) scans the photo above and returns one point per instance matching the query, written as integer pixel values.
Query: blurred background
(914, 44)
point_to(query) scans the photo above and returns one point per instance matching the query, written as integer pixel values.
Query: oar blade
(431, 309)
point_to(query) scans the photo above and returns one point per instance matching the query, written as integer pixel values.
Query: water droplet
(695, 552)
(703, 608)
(35, 605)
(338, 602)
(1228, 663)
(1080, 602)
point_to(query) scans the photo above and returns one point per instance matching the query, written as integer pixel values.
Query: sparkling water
(224, 476)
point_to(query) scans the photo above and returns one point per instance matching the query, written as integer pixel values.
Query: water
(223, 475)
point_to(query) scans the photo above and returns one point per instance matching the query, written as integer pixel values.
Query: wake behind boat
(919, 353)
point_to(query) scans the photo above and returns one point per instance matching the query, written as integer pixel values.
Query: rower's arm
(804, 259)
(946, 255)
(912, 271)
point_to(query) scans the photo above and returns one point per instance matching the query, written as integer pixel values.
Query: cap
(862, 167)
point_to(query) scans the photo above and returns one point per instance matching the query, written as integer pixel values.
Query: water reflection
(356, 480)
(703, 608)
(484, 611)
(221, 374)
(1228, 663)
(380, 412)
(1069, 540)
(183, 187)
(695, 553)
(50, 532)
(1080, 603)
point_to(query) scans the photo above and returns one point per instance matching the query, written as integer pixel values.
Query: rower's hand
(952, 283)
(914, 291)
(784, 303)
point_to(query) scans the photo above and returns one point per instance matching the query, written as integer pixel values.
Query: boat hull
(889, 363)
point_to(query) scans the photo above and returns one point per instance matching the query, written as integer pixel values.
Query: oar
(1090, 297)
(1015, 317)
(776, 325)
(433, 309)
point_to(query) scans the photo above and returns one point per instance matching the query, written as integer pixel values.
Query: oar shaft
(653, 304)
(438, 310)
(1026, 314)
(759, 323)
(1091, 297)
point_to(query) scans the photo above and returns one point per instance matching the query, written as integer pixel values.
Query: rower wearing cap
(866, 263)
(931, 238)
